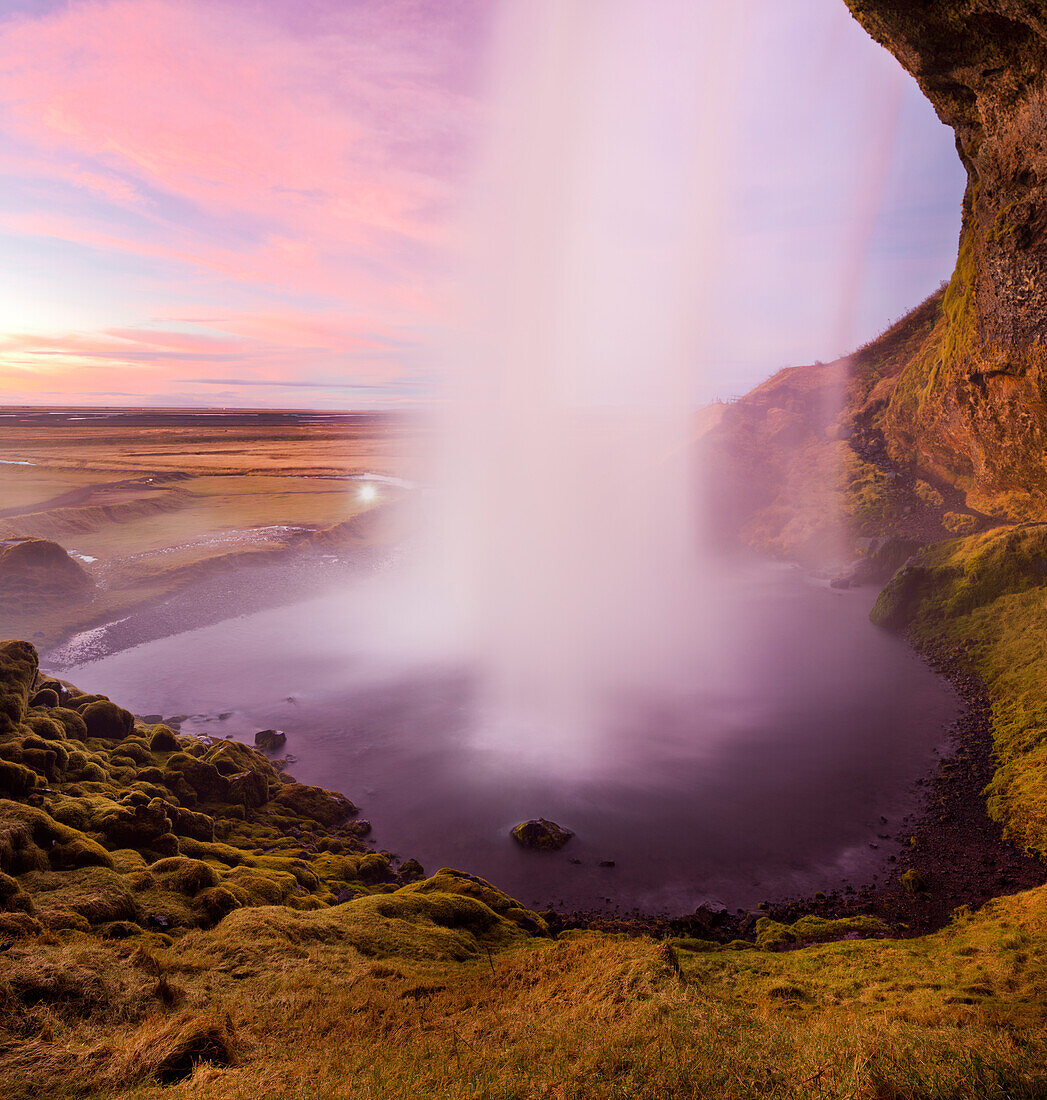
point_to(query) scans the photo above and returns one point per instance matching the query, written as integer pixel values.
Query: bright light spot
(368, 493)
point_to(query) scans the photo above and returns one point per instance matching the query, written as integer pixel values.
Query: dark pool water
(804, 727)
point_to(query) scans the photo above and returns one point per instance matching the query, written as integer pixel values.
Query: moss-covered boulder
(107, 721)
(270, 740)
(541, 835)
(314, 803)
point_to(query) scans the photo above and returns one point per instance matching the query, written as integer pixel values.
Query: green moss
(99, 894)
(189, 876)
(986, 594)
(106, 720)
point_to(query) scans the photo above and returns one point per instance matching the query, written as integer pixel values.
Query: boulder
(410, 871)
(107, 721)
(270, 740)
(541, 835)
(38, 569)
(45, 697)
(206, 780)
(135, 826)
(163, 740)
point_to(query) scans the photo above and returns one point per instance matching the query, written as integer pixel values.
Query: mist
(563, 545)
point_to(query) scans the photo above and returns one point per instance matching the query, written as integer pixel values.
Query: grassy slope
(383, 997)
(986, 595)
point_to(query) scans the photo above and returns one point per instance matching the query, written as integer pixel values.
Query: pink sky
(251, 203)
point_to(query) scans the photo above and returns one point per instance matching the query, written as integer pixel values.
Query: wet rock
(270, 740)
(541, 835)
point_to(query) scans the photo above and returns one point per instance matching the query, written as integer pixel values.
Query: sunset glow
(219, 203)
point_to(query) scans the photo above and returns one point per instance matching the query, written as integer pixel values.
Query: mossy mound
(33, 569)
(113, 824)
(541, 835)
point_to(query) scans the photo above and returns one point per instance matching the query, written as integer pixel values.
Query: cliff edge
(971, 406)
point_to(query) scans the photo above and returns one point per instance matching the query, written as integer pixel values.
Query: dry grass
(956, 1015)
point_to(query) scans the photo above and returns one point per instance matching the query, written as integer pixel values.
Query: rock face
(971, 407)
(542, 835)
(800, 468)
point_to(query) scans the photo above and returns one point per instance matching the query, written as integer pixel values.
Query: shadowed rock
(541, 835)
(270, 740)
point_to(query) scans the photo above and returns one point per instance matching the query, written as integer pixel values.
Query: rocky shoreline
(952, 853)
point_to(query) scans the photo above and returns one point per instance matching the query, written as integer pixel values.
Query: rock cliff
(971, 405)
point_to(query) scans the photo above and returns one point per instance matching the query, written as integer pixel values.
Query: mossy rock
(208, 782)
(135, 826)
(164, 740)
(772, 935)
(541, 835)
(188, 876)
(325, 807)
(79, 851)
(913, 882)
(248, 788)
(72, 722)
(99, 894)
(230, 757)
(447, 880)
(215, 903)
(270, 740)
(18, 668)
(107, 721)
(16, 780)
(189, 823)
(45, 726)
(898, 603)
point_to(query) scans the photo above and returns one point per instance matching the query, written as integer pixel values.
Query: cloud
(232, 145)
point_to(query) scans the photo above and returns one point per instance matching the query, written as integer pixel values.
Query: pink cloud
(204, 102)
(230, 145)
(279, 350)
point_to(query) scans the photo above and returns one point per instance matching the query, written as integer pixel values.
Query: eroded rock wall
(972, 405)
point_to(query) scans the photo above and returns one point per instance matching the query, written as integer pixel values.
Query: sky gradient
(255, 203)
